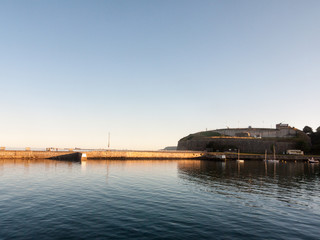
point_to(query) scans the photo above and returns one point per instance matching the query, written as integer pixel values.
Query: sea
(159, 199)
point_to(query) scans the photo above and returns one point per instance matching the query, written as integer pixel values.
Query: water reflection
(249, 169)
(175, 199)
(83, 166)
(283, 181)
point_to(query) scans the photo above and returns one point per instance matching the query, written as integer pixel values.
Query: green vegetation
(315, 139)
(307, 130)
(209, 134)
(303, 142)
(189, 137)
(201, 134)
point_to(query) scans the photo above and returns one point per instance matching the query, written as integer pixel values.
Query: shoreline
(78, 156)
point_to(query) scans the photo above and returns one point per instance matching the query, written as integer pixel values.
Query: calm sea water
(44, 199)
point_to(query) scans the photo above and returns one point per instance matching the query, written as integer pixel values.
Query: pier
(91, 155)
(77, 156)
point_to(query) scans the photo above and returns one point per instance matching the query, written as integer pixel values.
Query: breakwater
(78, 156)
(156, 155)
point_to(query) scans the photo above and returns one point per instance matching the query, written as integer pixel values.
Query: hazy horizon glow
(152, 72)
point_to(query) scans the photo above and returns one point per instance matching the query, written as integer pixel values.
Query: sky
(152, 72)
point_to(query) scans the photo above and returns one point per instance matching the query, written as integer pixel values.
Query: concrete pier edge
(90, 155)
(144, 155)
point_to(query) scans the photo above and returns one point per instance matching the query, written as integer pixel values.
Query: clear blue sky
(151, 72)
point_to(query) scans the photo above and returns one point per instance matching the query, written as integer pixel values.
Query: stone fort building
(281, 131)
(250, 140)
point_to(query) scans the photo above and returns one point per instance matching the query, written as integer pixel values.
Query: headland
(248, 140)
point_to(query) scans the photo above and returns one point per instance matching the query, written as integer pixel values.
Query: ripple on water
(158, 200)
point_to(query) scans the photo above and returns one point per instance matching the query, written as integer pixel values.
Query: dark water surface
(44, 199)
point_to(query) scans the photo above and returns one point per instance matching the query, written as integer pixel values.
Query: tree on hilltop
(307, 130)
(318, 129)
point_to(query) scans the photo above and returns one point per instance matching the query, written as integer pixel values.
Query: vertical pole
(109, 140)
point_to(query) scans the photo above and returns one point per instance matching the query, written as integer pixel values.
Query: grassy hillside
(201, 135)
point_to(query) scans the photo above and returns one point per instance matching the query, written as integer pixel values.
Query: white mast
(109, 140)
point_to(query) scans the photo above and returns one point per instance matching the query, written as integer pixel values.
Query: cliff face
(215, 141)
(245, 145)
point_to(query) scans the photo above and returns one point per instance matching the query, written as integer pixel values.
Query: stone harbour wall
(99, 155)
(263, 132)
(143, 154)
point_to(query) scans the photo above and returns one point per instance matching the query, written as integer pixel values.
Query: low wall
(100, 155)
(31, 154)
(142, 155)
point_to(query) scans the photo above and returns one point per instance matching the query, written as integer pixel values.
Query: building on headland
(250, 140)
(281, 130)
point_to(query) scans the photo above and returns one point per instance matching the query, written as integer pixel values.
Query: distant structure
(281, 130)
(250, 140)
(170, 148)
